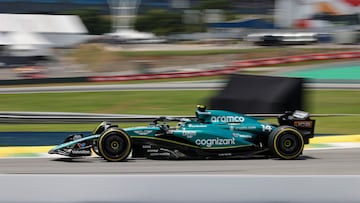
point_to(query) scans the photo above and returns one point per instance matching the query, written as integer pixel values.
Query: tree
(94, 21)
(214, 4)
(160, 22)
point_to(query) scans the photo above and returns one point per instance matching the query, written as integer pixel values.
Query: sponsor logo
(303, 124)
(241, 135)
(217, 141)
(81, 152)
(234, 128)
(146, 146)
(189, 133)
(143, 132)
(197, 126)
(224, 154)
(227, 119)
(160, 154)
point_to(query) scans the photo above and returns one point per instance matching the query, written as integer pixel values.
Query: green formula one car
(211, 134)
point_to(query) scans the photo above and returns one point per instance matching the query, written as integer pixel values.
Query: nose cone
(51, 151)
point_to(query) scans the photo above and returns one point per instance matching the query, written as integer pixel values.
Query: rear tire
(286, 142)
(114, 145)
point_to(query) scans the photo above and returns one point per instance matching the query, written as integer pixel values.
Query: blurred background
(63, 38)
(63, 61)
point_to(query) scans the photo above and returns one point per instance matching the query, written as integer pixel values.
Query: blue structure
(253, 24)
(56, 6)
(59, 6)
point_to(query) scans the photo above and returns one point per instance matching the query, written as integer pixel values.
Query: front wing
(78, 147)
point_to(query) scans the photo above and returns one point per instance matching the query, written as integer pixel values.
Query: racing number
(266, 128)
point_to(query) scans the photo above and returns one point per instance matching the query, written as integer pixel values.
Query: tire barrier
(232, 69)
(44, 81)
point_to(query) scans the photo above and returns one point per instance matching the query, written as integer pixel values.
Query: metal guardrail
(53, 118)
(59, 117)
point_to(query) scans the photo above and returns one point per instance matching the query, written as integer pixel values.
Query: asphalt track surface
(313, 162)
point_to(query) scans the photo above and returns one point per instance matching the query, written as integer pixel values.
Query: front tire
(114, 145)
(286, 142)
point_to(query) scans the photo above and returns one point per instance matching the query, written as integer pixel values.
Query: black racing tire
(286, 142)
(100, 129)
(114, 145)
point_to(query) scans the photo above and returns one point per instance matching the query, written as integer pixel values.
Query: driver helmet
(201, 108)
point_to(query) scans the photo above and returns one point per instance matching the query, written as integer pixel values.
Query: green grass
(333, 101)
(338, 125)
(159, 102)
(168, 103)
(133, 102)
